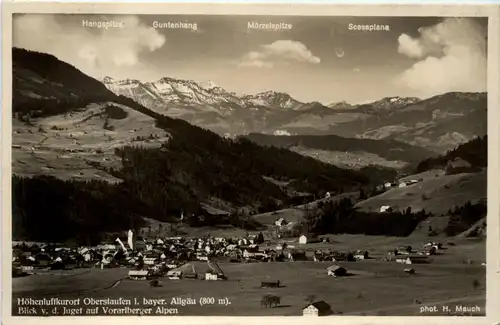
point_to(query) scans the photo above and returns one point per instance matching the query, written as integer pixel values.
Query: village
(160, 260)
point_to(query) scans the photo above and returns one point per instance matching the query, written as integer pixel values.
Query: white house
(30, 268)
(385, 208)
(202, 257)
(412, 260)
(138, 274)
(280, 222)
(319, 308)
(360, 255)
(402, 260)
(211, 276)
(174, 274)
(303, 239)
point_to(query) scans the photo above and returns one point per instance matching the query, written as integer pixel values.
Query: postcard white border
(435, 10)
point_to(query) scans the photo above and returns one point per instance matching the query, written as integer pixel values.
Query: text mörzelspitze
(369, 28)
(269, 26)
(103, 24)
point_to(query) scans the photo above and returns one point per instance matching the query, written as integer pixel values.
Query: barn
(336, 270)
(361, 255)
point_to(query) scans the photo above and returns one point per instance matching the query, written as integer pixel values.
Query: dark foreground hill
(158, 180)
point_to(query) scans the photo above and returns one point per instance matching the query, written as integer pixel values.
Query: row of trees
(340, 216)
(465, 216)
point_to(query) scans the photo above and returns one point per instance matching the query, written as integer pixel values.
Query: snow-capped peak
(108, 80)
(394, 102)
(340, 105)
(125, 82)
(273, 98)
(208, 85)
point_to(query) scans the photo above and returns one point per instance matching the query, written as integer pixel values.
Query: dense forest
(474, 152)
(341, 217)
(388, 149)
(46, 208)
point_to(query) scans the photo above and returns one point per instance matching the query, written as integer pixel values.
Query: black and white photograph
(248, 165)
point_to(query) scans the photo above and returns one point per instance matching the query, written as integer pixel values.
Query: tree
(362, 195)
(310, 299)
(476, 284)
(270, 301)
(260, 238)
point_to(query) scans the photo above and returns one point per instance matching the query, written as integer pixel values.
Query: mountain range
(439, 123)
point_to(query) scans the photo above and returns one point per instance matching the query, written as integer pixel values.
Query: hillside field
(69, 146)
(434, 194)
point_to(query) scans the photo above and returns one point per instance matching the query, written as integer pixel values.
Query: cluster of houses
(170, 256)
(388, 185)
(409, 255)
(175, 257)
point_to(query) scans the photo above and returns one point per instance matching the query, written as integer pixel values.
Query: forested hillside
(474, 152)
(388, 149)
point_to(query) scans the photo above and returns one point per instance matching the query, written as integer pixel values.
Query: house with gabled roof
(318, 308)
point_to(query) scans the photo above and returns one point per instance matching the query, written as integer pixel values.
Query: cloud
(89, 49)
(409, 46)
(451, 56)
(282, 52)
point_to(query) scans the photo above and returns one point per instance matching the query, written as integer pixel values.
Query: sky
(318, 59)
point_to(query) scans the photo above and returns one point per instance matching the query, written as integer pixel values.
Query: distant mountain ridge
(316, 145)
(423, 122)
